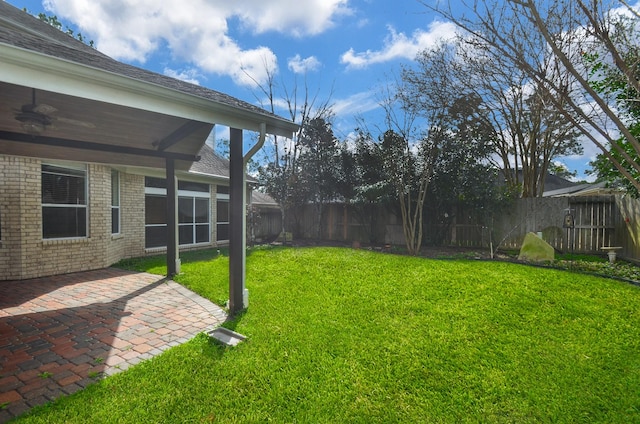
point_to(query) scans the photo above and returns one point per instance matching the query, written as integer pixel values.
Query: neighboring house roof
(551, 182)
(121, 105)
(211, 164)
(589, 189)
(263, 200)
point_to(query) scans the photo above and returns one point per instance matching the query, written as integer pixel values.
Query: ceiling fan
(35, 118)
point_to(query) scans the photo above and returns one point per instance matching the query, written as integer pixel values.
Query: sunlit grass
(342, 335)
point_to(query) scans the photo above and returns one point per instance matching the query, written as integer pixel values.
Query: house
(100, 160)
(584, 189)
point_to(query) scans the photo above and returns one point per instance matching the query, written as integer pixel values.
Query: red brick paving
(56, 332)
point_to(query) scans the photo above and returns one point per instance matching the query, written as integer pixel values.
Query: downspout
(245, 160)
(258, 145)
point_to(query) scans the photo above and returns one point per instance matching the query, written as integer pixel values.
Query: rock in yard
(535, 249)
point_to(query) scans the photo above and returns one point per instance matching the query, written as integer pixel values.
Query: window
(155, 220)
(64, 201)
(193, 213)
(193, 220)
(222, 209)
(115, 202)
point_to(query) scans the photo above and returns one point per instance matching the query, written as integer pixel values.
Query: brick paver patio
(60, 334)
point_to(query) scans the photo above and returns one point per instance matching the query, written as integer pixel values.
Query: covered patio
(60, 334)
(63, 103)
(61, 100)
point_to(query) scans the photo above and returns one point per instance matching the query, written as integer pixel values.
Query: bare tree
(513, 30)
(529, 133)
(281, 174)
(409, 148)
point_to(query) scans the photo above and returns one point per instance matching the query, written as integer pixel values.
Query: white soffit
(31, 69)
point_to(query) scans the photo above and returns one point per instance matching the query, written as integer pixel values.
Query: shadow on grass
(156, 262)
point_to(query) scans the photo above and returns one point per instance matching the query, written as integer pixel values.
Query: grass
(206, 272)
(342, 335)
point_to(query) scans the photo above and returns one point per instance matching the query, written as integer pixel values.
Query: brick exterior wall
(130, 242)
(15, 174)
(23, 252)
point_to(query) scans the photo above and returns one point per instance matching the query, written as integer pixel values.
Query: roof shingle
(20, 29)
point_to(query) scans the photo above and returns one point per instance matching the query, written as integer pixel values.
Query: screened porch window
(222, 211)
(193, 213)
(193, 220)
(64, 201)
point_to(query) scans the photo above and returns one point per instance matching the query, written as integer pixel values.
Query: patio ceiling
(94, 131)
(102, 110)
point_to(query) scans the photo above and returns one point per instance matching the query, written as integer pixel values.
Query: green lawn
(342, 335)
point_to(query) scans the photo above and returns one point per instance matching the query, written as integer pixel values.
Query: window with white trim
(193, 213)
(64, 201)
(115, 202)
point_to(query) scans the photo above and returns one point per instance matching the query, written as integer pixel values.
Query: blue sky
(344, 50)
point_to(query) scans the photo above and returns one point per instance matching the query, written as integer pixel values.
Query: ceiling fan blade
(75, 122)
(42, 114)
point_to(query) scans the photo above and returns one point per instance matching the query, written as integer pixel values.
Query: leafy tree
(608, 80)
(284, 182)
(366, 187)
(522, 32)
(463, 177)
(527, 134)
(408, 168)
(319, 162)
(560, 170)
(408, 147)
(604, 169)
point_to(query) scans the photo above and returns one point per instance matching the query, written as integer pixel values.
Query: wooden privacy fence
(599, 221)
(593, 219)
(627, 226)
(263, 224)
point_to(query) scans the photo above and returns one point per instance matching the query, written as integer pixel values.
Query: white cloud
(187, 75)
(197, 31)
(362, 23)
(400, 46)
(356, 104)
(299, 65)
(293, 17)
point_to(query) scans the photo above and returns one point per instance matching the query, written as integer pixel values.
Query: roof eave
(32, 69)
